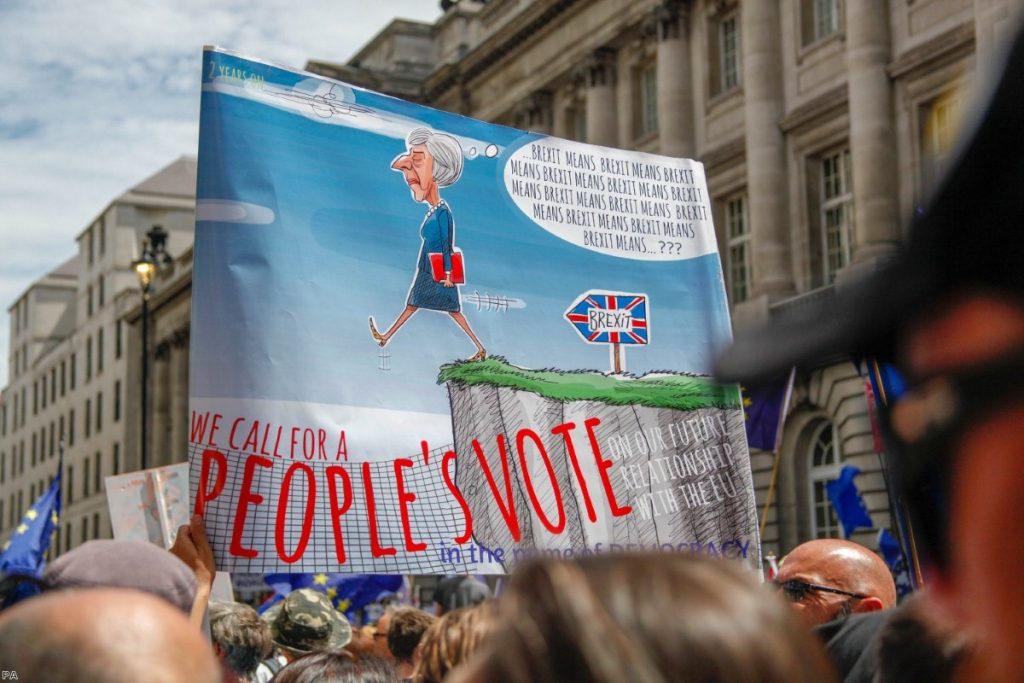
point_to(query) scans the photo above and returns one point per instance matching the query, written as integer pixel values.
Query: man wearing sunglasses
(828, 579)
(949, 313)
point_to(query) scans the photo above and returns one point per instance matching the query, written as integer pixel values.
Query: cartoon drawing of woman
(431, 161)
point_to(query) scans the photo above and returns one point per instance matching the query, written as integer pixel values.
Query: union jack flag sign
(611, 318)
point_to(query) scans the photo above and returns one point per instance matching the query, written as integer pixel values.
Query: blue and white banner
(425, 344)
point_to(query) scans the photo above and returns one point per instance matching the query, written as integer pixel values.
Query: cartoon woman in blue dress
(431, 161)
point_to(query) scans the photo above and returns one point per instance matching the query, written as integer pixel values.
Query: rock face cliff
(579, 448)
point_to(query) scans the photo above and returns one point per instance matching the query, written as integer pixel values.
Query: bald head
(842, 565)
(103, 636)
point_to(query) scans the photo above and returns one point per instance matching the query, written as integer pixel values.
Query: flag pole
(905, 530)
(777, 452)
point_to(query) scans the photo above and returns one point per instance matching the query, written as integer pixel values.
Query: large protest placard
(427, 344)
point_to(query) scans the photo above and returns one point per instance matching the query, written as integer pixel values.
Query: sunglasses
(922, 429)
(795, 590)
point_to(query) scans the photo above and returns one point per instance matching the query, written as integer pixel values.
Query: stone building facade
(821, 125)
(73, 372)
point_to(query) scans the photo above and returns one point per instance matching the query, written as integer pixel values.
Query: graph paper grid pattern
(435, 518)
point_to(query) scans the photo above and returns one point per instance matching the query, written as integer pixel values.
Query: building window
(73, 372)
(85, 529)
(99, 351)
(3, 472)
(53, 442)
(53, 384)
(71, 427)
(117, 400)
(63, 378)
(87, 423)
(98, 472)
(939, 123)
(819, 19)
(88, 358)
(89, 246)
(724, 59)
(33, 449)
(60, 430)
(88, 301)
(101, 293)
(35, 397)
(117, 459)
(96, 525)
(824, 462)
(71, 485)
(102, 225)
(99, 412)
(836, 212)
(647, 101)
(117, 340)
(85, 479)
(67, 537)
(738, 235)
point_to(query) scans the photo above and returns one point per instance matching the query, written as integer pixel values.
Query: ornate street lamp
(154, 255)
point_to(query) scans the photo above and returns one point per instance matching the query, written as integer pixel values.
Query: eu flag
(765, 408)
(349, 593)
(847, 502)
(24, 552)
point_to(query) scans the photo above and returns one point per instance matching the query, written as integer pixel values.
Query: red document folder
(458, 275)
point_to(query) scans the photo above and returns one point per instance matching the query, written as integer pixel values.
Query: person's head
(452, 639)
(920, 642)
(240, 638)
(306, 621)
(125, 564)
(431, 161)
(827, 579)
(337, 667)
(103, 635)
(644, 617)
(406, 631)
(949, 313)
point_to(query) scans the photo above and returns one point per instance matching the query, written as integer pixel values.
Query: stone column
(763, 106)
(536, 112)
(872, 134)
(601, 120)
(179, 397)
(675, 80)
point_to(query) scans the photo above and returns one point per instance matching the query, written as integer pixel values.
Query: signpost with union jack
(614, 318)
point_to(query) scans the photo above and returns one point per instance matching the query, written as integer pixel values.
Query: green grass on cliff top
(675, 391)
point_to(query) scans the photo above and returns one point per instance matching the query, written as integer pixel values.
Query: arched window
(824, 461)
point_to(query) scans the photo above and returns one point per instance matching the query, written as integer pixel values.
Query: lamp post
(153, 256)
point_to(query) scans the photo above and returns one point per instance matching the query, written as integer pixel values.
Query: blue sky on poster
(281, 304)
(95, 96)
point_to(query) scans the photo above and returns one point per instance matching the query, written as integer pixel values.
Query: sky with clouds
(97, 95)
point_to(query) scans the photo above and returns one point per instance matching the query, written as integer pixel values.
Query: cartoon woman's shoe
(479, 355)
(377, 336)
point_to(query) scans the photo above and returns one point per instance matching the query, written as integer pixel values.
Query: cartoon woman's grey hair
(445, 149)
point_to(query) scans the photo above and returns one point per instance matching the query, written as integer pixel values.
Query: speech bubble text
(625, 204)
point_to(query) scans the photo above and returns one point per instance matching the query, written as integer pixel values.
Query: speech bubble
(625, 204)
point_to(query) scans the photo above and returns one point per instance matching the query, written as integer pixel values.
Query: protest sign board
(149, 505)
(382, 377)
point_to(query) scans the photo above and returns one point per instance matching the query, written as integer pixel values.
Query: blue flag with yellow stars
(24, 551)
(765, 408)
(349, 593)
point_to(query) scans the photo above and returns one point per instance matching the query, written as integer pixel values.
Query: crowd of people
(949, 313)
(829, 615)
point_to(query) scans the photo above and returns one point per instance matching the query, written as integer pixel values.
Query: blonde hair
(451, 639)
